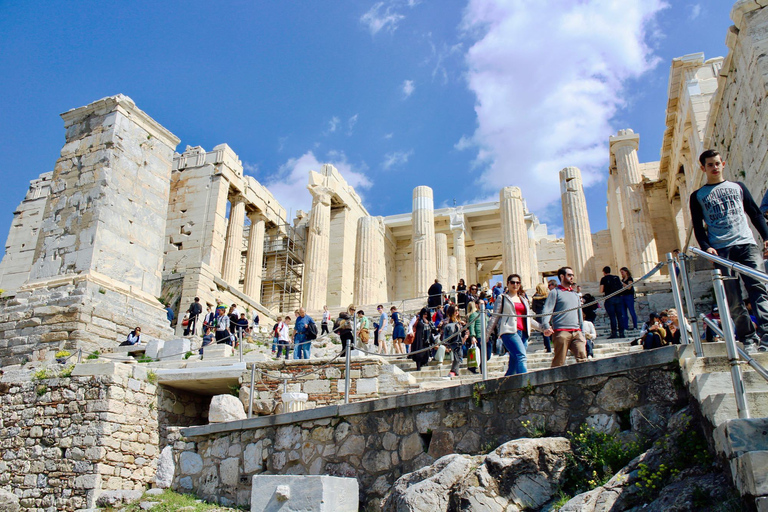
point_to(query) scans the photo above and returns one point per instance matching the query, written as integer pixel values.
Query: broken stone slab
(154, 347)
(165, 468)
(174, 349)
(118, 497)
(217, 351)
(90, 369)
(225, 408)
(305, 493)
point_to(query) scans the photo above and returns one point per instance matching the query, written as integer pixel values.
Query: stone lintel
(127, 107)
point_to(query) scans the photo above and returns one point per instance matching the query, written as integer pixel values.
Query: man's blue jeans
(615, 309)
(517, 345)
(301, 347)
(748, 255)
(628, 302)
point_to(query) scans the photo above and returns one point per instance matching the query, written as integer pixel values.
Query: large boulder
(225, 408)
(524, 473)
(165, 468)
(9, 502)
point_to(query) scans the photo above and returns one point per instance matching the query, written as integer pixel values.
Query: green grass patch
(171, 501)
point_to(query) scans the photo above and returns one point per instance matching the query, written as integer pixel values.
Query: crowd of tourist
(451, 322)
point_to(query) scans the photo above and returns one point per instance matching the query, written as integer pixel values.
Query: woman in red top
(513, 328)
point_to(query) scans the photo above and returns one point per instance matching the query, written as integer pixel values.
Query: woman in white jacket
(514, 329)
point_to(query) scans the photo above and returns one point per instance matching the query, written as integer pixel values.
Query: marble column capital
(236, 198)
(254, 216)
(321, 194)
(511, 193)
(624, 139)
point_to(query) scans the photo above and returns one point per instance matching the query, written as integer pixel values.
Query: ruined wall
(63, 440)
(551, 255)
(377, 442)
(22, 237)
(738, 124)
(603, 249)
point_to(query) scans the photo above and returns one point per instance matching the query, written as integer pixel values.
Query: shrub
(152, 377)
(94, 355)
(62, 353)
(42, 373)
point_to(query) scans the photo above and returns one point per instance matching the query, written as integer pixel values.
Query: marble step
(721, 407)
(715, 383)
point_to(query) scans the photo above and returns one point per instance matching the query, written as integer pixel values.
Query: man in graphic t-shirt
(724, 207)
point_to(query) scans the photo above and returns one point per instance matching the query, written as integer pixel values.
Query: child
(724, 207)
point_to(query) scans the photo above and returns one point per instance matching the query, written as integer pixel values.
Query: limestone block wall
(664, 226)
(404, 286)
(738, 124)
(64, 440)
(603, 250)
(551, 255)
(22, 237)
(377, 442)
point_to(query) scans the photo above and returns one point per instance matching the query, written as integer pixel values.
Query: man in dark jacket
(435, 293)
(614, 306)
(195, 310)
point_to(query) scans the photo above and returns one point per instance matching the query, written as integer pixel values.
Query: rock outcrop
(524, 473)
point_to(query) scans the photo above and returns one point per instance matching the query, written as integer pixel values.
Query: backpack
(274, 329)
(311, 332)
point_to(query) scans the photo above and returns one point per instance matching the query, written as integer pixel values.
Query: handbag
(472, 357)
(409, 339)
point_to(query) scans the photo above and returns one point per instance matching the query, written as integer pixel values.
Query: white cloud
(396, 158)
(351, 122)
(289, 183)
(545, 98)
(249, 168)
(388, 135)
(408, 88)
(377, 18)
(333, 125)
(695, 11)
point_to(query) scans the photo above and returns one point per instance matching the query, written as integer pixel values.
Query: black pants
(324, 328)
(191, 326)
(748, 255)
(346, 336)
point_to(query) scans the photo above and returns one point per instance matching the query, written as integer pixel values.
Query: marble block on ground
(154, 347)
(218, 350)
(174, 349)
(305, 493)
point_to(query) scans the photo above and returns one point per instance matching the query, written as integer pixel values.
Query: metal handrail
(731, 265)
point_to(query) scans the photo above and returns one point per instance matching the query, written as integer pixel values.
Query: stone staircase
(743, 443)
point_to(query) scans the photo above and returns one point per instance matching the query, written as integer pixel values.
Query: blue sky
(464, 96)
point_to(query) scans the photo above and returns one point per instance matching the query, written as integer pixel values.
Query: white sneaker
(750, 348)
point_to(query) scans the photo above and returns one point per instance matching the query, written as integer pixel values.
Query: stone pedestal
(370, 269)
(230, 269)
(578, 236)
(100, 251)
(441, 260)
(423, 241)
(305, 493)
(641, 244)
(514, 235)
(254, 258)
(318, 243)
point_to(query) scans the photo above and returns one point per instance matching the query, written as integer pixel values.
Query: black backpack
(311, 332)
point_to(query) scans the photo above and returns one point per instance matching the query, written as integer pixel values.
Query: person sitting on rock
(134, 338)
(207, 338)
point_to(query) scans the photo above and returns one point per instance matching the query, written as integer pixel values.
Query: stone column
(676, 206)
(441, 258)
(370, 266)
(423, 240)
(579, 252)
(533, 259)
(318, 245)
(615, 224)
(641, 244)
(254, 257)
(514, 235)
(459, 247)
(453, 278)
(230, 268)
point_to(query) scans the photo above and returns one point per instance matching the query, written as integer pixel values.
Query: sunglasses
(514, 282)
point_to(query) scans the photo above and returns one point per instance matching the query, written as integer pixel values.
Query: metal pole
(691, 309)
(750, 361)
(677, 299)
(348, 359)
(80, 356)
(730, 345)
(731, 265)
(240, 342)
(483, 342)
(253, 379)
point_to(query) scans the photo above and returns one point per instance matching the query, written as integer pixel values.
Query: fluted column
(370, 266)
(579, 252)
(423, 223)
(615, 224)
(318, 245)
(230, 269)
(533, 259)
(641, 244)
(459, 247)
(453, 278)
(254, 258)
(441, 258)
(514, 235)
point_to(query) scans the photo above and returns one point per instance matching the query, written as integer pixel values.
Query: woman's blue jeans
(516, 344)
(629, 305)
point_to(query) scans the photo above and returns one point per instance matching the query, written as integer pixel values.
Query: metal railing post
(690, 308)
(483, 341)
(739, 389)
(253, 379)
(349, 358)
(240, 342)
(677, 299)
